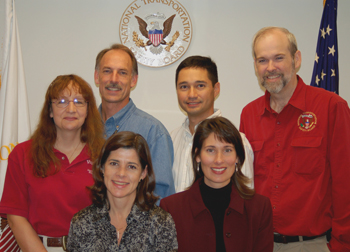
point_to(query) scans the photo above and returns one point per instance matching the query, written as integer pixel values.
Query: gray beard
(276, 87)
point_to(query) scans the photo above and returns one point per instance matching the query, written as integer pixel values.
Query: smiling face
(122, 174)
(275, 67)
(70, 118)
(196, 93)
(114, 77)
(218, 160)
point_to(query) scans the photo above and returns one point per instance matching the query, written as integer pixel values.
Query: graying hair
(293, 46)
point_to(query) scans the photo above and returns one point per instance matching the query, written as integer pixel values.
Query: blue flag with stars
(326, 74)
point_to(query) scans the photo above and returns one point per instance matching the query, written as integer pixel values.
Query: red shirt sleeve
(339, 157)
(15, 195)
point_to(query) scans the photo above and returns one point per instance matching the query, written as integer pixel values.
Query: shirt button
(278, 144)
(276, 186)
(278, 165)
(228, 212)
(62, 158)
(273, 207)
(228, 235)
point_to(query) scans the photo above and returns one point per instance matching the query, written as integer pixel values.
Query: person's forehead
(215, 139)
(272, 40)
(193, 73)
(128, 154)
(116, 56)
(71, 91)
(194, 69)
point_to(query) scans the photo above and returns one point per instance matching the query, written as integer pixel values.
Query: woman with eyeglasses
(47, 176)
(219, 212)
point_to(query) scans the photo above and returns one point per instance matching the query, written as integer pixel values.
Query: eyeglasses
(62, 103)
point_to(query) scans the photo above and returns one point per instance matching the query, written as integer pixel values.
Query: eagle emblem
(307, 121)
(155, 35)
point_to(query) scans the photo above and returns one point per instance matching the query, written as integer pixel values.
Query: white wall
(64, 36)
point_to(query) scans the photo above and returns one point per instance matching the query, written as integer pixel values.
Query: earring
(236, 166)
(140, 180)
(198, 166)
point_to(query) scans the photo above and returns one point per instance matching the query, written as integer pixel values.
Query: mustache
(273, 73)
(113, 85)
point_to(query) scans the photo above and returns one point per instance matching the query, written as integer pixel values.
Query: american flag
(326, 73)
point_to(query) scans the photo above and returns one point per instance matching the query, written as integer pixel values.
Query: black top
(217, 201)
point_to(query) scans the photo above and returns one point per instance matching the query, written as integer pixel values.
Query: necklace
(71, 155)
(118, 234)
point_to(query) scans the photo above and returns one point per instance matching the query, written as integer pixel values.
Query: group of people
(113, 179)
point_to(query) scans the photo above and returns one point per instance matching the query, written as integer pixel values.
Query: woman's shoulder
(86, 215)
(178, 203)
(23, 146)
(260, 198)
(20, 152)
(159, 215)
(175, 198)
(26, 144)
(162, 224)
(158, 212)
(258, 202)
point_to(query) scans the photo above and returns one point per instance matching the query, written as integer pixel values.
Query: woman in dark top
(219, 212)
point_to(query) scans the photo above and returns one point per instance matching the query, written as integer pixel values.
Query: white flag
(14, 112)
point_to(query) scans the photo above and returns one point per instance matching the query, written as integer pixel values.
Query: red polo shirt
(48, 203)
(302, 162)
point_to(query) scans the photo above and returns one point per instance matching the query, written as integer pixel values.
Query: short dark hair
(224, 131)
(100, 55)
(199, 62)
(145, 199)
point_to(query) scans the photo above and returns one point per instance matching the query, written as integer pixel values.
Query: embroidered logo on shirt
(307, 121)
(89, 171)
(89, 162)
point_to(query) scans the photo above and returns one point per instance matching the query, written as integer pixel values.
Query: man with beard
(300, 137)
(116, 73)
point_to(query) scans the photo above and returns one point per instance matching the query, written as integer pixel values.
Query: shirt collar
(297, 100)
(186, 123)
(197, 205)
(102, 212)
(135, 214)
(83, 155)
(123, 114)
